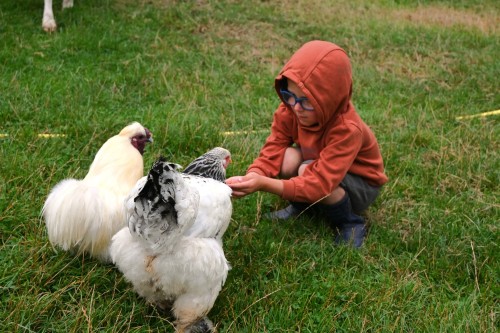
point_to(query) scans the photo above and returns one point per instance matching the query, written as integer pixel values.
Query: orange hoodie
(340, 143)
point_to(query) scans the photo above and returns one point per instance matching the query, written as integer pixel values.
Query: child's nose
(298, 107)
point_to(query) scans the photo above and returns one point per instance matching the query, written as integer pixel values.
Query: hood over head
(322, 70)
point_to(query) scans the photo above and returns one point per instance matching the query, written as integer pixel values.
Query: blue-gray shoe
(350, 228)
(284, 214)
(351, 234)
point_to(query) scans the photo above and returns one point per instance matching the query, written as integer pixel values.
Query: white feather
(215, 210)
(83, 215)
(189, 268)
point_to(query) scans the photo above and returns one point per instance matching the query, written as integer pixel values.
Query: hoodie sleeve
(272, 153)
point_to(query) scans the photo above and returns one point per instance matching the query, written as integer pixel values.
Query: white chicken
(172, 249)
(83, 215)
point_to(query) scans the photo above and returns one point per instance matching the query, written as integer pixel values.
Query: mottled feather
(154, 210)
(212, 164)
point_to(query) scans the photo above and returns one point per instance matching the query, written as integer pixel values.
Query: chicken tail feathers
(77, 217)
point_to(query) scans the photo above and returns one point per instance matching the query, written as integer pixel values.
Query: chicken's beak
(149, 135)
(227, 161)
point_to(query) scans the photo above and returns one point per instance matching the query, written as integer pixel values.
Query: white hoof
(49, 24)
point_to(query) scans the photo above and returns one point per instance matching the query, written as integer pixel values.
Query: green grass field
(192, 70)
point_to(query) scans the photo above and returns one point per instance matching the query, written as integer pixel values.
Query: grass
(190, 70)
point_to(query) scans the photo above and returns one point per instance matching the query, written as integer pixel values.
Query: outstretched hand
(244, 185)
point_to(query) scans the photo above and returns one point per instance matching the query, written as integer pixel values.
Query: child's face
(305, 117)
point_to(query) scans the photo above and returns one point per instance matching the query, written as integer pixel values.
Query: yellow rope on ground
(483, 114)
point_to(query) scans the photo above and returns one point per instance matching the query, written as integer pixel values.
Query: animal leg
(189, 311)
(48, 21)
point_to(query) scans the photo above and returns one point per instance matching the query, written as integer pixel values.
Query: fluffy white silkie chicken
(83, 215)
(172, 249)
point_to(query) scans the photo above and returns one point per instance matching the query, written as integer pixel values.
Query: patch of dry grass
(484, 20)
(446, 17)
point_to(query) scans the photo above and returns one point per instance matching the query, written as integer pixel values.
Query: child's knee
(291, 163)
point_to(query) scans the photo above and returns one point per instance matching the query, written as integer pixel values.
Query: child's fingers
(238, 194)
(234, 180)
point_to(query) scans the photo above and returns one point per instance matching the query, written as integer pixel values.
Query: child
(321, 150)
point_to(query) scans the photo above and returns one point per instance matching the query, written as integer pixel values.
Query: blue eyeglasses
(291, 100)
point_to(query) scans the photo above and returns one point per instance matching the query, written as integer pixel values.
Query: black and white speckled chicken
(172, 249)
